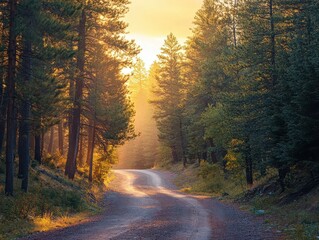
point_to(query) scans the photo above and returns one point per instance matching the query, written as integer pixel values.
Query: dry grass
(299, 220)
(207, 180)
(52, 202)
(49, 222)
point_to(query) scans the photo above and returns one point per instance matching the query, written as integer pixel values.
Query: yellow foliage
(43, 223)
(235, 142)
(48, 222)
(232, 160)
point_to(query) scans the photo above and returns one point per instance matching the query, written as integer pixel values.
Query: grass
(298, 220)
(208, 180)
(52, 202)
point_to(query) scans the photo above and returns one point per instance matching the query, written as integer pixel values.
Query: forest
(239, 99)
(54, 58)
(242, 92)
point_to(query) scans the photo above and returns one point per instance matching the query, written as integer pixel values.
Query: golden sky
(150, 21)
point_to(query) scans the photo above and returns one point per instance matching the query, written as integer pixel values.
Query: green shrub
(212, 177)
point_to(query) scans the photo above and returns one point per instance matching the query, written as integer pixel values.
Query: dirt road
(144, 204)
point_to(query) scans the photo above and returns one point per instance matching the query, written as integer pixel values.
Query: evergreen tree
(169, 97)
(11, 78)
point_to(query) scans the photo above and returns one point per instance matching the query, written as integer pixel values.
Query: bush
(212, 177)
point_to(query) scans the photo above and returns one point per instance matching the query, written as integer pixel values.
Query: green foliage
(212, 176)
(45, 196)
(252, 91)
(168, 98)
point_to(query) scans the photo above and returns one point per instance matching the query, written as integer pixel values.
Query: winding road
(144, 204)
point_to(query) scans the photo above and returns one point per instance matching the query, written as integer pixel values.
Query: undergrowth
(51, 202)
(298, 219)
(208, 179)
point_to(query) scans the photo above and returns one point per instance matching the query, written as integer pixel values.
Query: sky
(150, 21)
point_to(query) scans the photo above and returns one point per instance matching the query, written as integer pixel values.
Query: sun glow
(150, 21)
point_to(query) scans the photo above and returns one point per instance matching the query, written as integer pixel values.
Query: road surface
(144, 204)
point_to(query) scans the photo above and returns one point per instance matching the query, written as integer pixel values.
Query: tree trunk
(20, 169)
(70, 167)
(273, 45)
(61, 137)
(10, 144)
(42, 143)
(24, 127)
(3, 111)
(37, 148)
(90, 132)
(32, 144)
(91, 153)
(235, 4)
(182, 142)
(3, 92)
(249, 165)
(51, 141)
(282, 172)
(174, 154)
(81, 162)
(212, 154)
(2, 122)
(249, 170)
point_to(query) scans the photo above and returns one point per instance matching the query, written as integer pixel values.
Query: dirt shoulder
(282, 213)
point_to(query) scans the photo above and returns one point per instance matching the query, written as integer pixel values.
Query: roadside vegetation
(237, 107)
(51, 202)
(294, 212)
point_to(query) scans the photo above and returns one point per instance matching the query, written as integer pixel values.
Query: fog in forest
(141, 152)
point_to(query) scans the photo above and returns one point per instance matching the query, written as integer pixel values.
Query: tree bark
(235, 4)
(273, 44)
(174, 154)
(10, 144)
(182, 142)
(24, 127)
(61, 137)
(282, 172)
(90, 132)
(42, 143)
(3, 103)
(212, 154)
(32, 143)
(3, 91)
(37, 148)
(51, 141)
(70, 167)
(92, 152)
(249, 166)
(2, 119)
(81, 162)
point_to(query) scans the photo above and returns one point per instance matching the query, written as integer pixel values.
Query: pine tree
(12, 6)
(169, 96)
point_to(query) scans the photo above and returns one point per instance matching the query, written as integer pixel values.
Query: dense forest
(62, 87)
(239, 99)
(242, 94)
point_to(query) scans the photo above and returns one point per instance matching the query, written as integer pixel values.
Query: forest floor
(52, 202)
(294, 212)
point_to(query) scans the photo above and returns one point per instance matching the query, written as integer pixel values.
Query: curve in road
(144, 204)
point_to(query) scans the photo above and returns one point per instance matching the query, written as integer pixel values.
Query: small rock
(260, 212)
